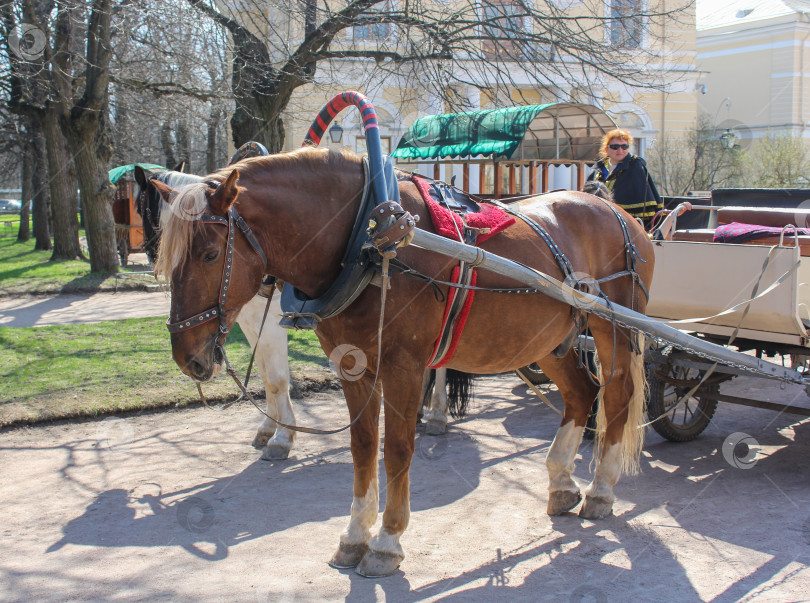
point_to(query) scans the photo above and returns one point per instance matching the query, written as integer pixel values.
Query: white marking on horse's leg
(560, 458)
(607, 474)
(438, 401)
(364, 514)
(272, 364)
(384, 542)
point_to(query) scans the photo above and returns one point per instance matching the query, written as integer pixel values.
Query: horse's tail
(427, 390)
(459, 391)
(633, 433)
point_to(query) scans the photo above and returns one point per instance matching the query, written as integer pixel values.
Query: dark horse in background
(301, 207)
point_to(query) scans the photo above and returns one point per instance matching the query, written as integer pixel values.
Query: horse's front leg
(365, 440)
(401, 405)
(436, 415)
(578, 394)
(618, 420)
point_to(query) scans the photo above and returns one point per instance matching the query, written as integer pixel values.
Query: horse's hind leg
(365, 440)
(436, 415)
(578, 393)
(620, 414)
(274, 368)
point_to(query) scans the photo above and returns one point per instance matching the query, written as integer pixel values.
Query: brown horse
(301, 207)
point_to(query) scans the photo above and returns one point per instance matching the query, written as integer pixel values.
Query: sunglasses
(616, 147)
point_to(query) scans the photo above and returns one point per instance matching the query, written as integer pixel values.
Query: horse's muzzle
(203, 367)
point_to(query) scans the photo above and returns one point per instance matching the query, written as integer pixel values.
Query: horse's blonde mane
(177, 226)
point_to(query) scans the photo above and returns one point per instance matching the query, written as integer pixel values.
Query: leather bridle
(219, 310)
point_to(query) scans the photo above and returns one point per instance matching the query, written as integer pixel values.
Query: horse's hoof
(379, 564)
(562, 501)
(596, 508)
(434, 427)
(261, 439)
(348, 555)
(275, 452)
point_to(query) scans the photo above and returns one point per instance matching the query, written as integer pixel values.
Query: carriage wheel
(534, 374)
(684, 421)
(123, 251)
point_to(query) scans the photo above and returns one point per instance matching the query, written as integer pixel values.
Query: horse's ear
(140, 177)
(226, 193)
(180, 166)
(166, 191)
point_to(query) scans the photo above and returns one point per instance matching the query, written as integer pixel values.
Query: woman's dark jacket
(631, 185)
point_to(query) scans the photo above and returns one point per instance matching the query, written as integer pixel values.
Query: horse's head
(212, 268)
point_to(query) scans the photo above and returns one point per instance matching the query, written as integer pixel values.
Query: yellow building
(754, 57)
(655, 115)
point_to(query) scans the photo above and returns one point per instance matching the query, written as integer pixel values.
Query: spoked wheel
(533, 373)
(681, 419)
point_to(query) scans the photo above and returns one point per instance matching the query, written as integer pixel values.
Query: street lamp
(336, 133)
(727, 139)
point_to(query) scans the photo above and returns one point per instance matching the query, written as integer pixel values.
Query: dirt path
(177, 506)
(40, 311)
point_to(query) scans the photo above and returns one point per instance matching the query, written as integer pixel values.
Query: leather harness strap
(219, 311)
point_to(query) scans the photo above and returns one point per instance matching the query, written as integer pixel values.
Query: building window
(502, 23)
(373, 31)
(626, 23)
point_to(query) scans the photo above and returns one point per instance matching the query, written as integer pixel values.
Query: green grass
(86, 370)
(24, 270)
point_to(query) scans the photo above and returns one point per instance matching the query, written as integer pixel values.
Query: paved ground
(177, 506)
(40, 311)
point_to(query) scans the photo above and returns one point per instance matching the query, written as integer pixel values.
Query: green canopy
(116, 173)
(564, 131)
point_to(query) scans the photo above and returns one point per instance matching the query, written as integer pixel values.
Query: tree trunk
(211, 159)
(24, 232)
(251, 122)
(97, 198)
(168, 147)
(184, 145)
(40, 206)
(62, 183)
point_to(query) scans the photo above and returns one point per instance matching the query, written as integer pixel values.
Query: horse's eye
(211, 256)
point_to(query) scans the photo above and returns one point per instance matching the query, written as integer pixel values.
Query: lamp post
(726, 139)
(336, 133)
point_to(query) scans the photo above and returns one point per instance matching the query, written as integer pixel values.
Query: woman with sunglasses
(626, 176)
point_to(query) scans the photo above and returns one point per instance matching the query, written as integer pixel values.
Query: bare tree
(696, 162)
(62, 81)
(492, 45)
(780, 162)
